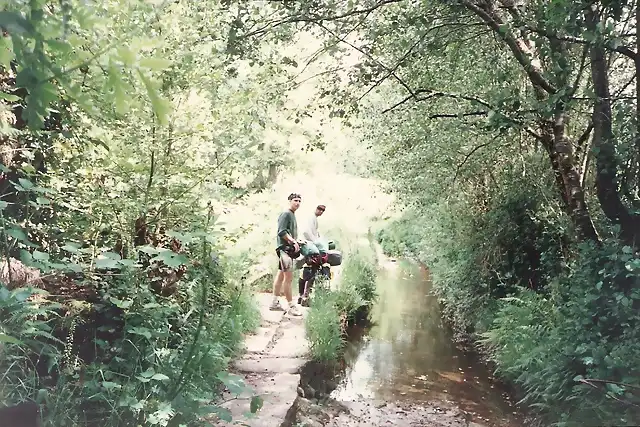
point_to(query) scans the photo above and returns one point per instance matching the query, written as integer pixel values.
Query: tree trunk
(606, 162)
(560, 153)
(554, 138)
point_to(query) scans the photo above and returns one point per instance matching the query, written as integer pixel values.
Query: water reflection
(409, 353)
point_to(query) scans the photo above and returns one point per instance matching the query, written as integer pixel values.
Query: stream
(409, 355)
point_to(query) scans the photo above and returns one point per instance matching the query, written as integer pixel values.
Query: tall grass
(323, 326)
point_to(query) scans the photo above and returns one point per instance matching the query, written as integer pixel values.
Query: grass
(323, 326)
(330, 309)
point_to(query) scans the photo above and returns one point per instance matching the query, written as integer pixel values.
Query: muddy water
(408, 355)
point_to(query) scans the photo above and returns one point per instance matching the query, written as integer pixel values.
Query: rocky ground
(295, 391)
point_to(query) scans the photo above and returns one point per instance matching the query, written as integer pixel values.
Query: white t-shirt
(311, 232)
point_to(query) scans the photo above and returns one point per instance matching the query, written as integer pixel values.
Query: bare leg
(277, 284)
(288, 278)
(277, 290)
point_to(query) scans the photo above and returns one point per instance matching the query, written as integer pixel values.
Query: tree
(564, 57)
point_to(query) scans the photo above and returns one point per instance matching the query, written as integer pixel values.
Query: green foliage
(332, 308)
(359, 273)
(127, 130)
(399, 237)
(133, 357)
(571, 350)
(323, 326)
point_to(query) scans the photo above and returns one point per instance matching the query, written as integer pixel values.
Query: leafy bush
(359, 274)
(399, 238)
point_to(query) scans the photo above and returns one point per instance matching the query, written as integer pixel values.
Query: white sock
(275, 299)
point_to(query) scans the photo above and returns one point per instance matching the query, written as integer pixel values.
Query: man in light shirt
(311, 232)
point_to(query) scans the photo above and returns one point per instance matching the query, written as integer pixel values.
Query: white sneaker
(276, 306)
(294, 311)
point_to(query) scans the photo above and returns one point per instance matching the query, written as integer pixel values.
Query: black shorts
(308, 273)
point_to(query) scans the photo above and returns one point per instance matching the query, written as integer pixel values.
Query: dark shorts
(309, 274)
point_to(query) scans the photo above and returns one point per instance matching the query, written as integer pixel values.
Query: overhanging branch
(517, 46)
(623, 50)
(430, 94)
(317, 18)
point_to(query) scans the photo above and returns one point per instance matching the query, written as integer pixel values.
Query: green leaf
(25, 183)
(160, 106)
(42, 396)
(127, 262)
(256, 404)
(155, 64)
(71, 247)
(122, 99)
(28, 168)
(62, 47)
(6, 52)
(107, 263)
(587, 361)
(160, 377)
(3, 205)
(111, 255)
(121, 303)
(47, 93)
(127, 56)
(8, 97)
(234, 383)
(170, 258)
(4, 338)
(43, 201)
(72, 266)
(111, 385)
(138, 330)
(616, 389)
(15, 23)
(148, 373)
(17, 234)
(149, 250)
(25, 256)
(40, 256)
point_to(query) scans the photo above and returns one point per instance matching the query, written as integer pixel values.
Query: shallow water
(409, 354)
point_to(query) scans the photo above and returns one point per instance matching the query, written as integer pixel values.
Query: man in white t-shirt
(311, 232)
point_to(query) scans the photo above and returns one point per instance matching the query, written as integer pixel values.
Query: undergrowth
(131, 356)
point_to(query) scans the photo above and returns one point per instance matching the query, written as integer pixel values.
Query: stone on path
(278, 392)
(270, 365)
